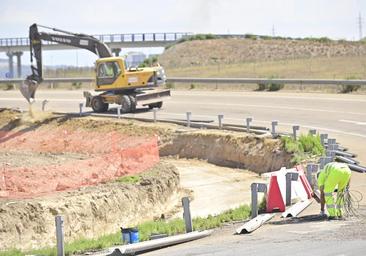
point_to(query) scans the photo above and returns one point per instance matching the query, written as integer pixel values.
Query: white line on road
(312, 96)
(352, 122)
(40, 100)
(271, 107)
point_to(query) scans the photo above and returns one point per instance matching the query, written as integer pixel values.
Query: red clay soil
(110, 155)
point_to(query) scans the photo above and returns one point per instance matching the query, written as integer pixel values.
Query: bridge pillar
(11, 64)
(116, 51)
(19, 63)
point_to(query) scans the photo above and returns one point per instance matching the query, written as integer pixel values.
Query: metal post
(255, 188)
(312, 131)
(294, 129)
(331, 154)
(119, 112)
(154, 114)
(187, 214)
(323, 137)
(220, 120)
(290, 176)
(189, 119)
(310, 169)
(81, 108)
(274, 124)
(332, 142)
(60, 235)
(249, 119)
(44, 104)
(254, 204)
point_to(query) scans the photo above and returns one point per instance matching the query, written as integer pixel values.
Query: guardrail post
(312, 131)
(220, 117)
(290, 176)
(44, 104)
(295, 128)
(119, 112)
(323, 137)
(81, 108)
(154, 114)
(187, 214)
(331, 142)
(189, 119)
(249, 119)
(323, 161)
(310, 169)
(255, 188)
(60, 235)
(274, 124)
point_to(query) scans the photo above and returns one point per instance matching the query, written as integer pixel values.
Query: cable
(351, 202)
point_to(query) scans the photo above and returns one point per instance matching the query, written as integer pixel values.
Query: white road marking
(40, 100)
(269, 95)
(352, 122)
(271, 107)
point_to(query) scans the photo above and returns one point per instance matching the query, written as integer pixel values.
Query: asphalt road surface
(341, 116)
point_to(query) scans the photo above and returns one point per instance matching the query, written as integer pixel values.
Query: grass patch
(146, 229)
(130, 179)
(305, 147)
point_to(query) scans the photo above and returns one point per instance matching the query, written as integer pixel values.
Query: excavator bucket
(28, 89)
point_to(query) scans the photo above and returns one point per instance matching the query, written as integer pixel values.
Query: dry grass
(320, 67)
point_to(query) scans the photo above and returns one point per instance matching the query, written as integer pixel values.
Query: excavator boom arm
(81, 41)
(76, 40)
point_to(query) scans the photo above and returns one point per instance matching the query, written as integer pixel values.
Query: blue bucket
(134, 235)
(130, 235)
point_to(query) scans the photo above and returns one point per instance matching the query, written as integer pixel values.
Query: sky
(337, 19)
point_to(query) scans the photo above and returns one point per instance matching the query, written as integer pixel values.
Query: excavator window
(107, 72)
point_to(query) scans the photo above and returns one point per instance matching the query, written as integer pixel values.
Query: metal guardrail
(265, 81)
(109, 38)
(213, 81)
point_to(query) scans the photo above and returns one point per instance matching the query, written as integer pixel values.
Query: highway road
(341, 116)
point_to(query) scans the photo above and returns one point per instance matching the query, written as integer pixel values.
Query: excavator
(115, 82)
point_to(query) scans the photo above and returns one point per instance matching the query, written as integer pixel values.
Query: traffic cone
(274, 199)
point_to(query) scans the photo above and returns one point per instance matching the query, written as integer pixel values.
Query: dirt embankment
(89, 211)
(258, 154)
(230, 51)
(70, 166)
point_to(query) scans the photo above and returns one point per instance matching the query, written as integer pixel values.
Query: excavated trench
(65, 166)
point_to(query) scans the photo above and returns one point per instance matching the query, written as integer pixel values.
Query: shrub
(148, 62)
(262, 87)
(192, 86)
(76, 85)
(304, 148)
(169, 86)
(346, 88)
(9, 87)
(275, 87)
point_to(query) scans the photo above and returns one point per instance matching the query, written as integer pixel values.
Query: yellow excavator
(116, 83)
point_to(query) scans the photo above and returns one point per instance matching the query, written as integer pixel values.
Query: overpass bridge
(16, 46)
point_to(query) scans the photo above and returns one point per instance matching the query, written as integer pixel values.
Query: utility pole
(273, 31)
(360, 26)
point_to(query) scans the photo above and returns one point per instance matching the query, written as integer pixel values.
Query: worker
(334, 175)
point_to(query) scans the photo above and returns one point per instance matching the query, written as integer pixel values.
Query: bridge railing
(109, 38)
